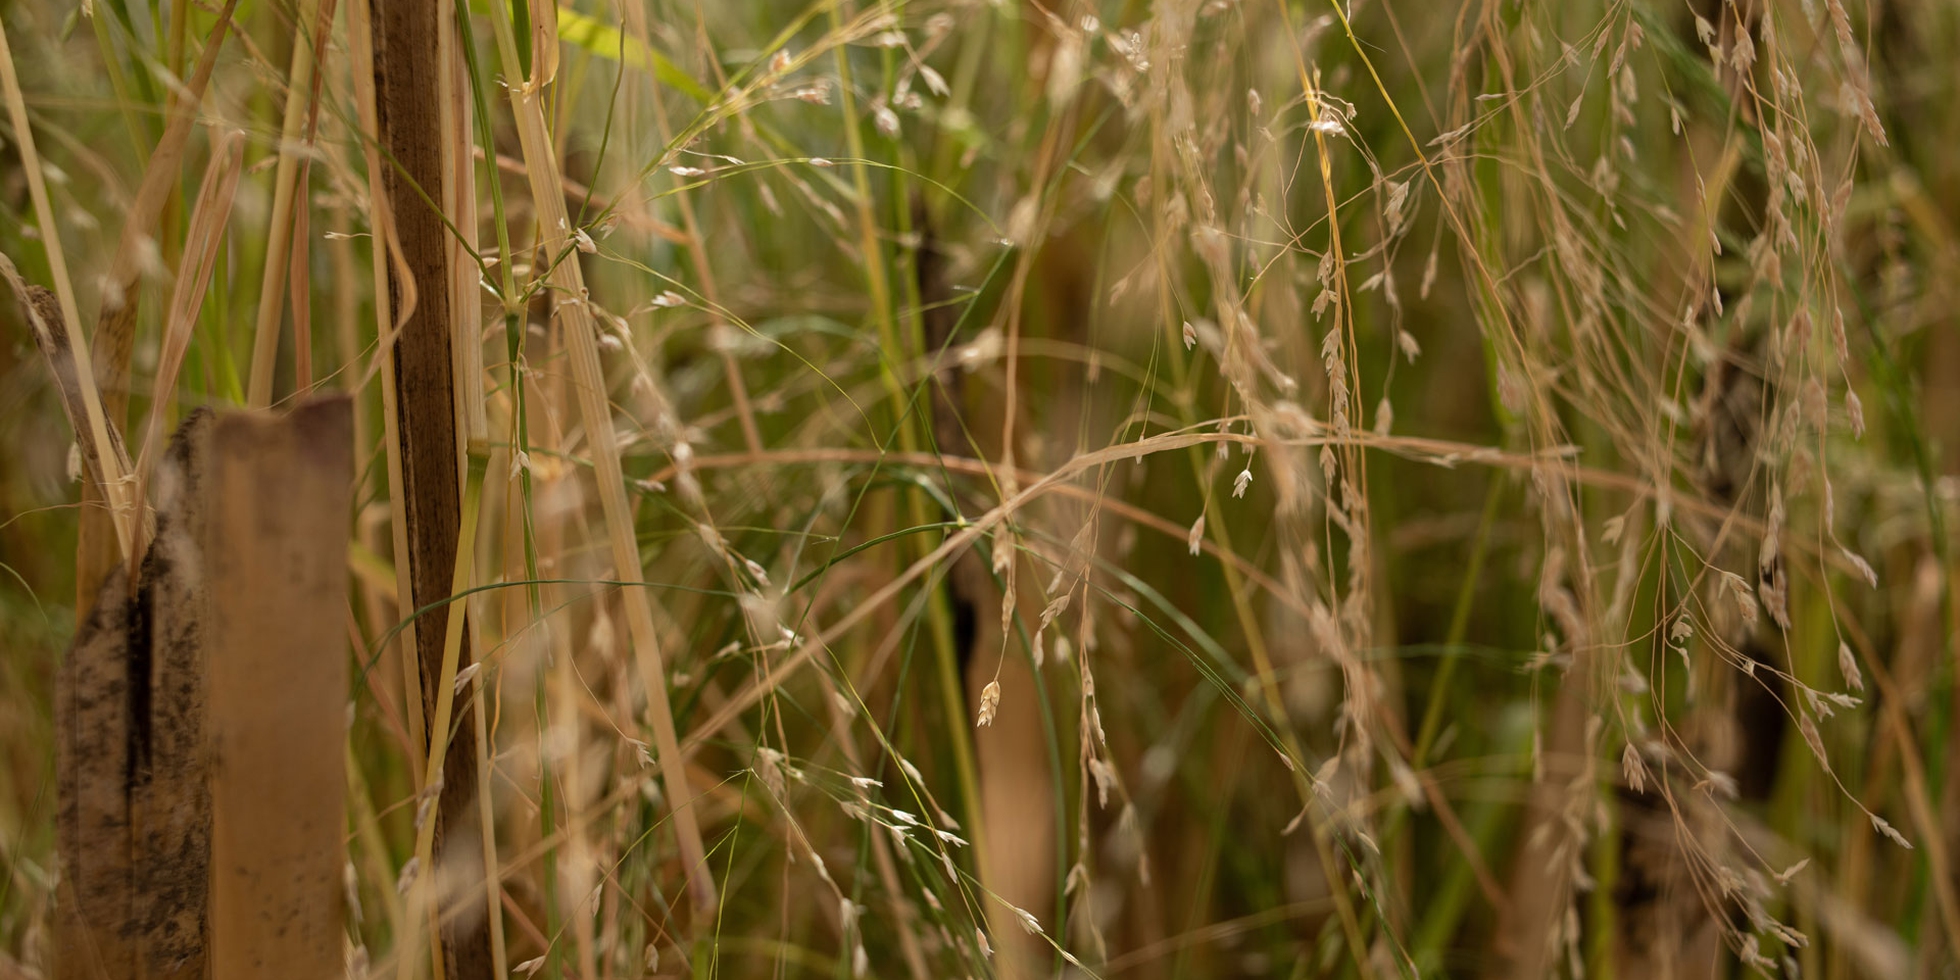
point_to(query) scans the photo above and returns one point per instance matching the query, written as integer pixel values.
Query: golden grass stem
(285, 194)
(373, 844)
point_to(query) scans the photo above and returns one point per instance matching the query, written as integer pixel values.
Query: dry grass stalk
(1645, 287)
(43, 313)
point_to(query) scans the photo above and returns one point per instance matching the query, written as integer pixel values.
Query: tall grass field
(1039, 488)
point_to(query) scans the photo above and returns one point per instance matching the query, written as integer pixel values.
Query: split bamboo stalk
(170, 801)
(134, 824)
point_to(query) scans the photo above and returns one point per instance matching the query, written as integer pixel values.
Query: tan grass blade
(299, 277)
(43, 314)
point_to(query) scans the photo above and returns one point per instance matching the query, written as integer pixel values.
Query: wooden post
(202, 721)
(134, 826)
(407, 62)
(171, 814)
(277, 499)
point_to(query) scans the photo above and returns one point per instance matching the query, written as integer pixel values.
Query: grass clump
(1197, 488)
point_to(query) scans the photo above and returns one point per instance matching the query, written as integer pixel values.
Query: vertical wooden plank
(407, 54)
(134, 829)
(170, 800)
(277, 494)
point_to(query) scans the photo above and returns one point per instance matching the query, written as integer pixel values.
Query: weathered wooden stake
(277, 497)
(134, 827)
(201, 721)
